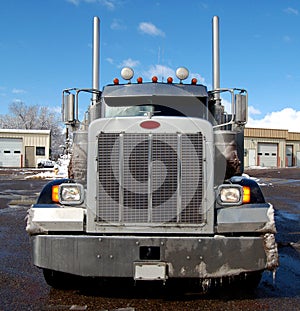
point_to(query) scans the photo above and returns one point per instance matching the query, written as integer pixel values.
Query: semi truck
(156, 190)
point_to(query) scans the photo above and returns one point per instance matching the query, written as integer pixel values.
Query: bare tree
(35, 117)
(25, 116)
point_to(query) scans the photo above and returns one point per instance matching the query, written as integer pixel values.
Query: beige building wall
(294, 140)
(33, 141)
(282, 138)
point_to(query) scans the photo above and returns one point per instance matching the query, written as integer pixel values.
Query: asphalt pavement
(22, 286)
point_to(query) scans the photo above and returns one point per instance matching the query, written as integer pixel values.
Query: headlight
(71, 194)
(230, 194)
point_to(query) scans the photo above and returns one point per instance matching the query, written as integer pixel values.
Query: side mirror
(69, 108)
(241, 109)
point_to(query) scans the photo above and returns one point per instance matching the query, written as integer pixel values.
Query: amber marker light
(154, 79)
(246, 194)
(194, 81)
(116, 81)
(170, 80)
(139, 80)
(55, 193)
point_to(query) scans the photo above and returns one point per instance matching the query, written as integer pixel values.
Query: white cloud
(2, 91)
(290, 10)
(227, 105)
(75, 2)
(287, 119)
(109, 4)
(17, 100)
(252, 110)
(129, 63)
(204, 5)
(150, 29)
(199, 78)
(18, 91)
(110, 60)
(117, 25)
(160, 71)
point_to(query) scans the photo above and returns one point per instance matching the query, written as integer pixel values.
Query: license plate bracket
(150, 271)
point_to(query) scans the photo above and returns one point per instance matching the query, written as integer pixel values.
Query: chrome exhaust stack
(216, 98)
(94, 111)
(96, 57)
(216, 56)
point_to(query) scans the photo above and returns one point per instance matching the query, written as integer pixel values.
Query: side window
(40, 151)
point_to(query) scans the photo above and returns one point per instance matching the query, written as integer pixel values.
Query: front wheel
(248, 281)
(60, 280)
(245, 282)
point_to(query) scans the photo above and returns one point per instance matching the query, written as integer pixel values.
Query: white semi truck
(155, 188)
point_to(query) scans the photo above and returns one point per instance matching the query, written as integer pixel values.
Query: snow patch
(271, 251)
(31, 226)
(60, 170)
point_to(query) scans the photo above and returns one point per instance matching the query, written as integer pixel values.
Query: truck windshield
(140, 110)
(127, 111)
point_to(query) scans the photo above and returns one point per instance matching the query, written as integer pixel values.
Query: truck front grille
(150, 178)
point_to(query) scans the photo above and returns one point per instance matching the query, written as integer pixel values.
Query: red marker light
(116, 81)
(194, 81)
(154, 79)
(170, 80)
(150, 125)
(139, 80)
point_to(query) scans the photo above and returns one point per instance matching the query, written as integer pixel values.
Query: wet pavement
(22, 286)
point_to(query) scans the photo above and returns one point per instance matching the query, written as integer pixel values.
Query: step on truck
(156, 190)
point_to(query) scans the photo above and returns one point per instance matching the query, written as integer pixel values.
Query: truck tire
(59, 280)
(247, 282)
(251, 280)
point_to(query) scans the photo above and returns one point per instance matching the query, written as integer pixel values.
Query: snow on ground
(258, 168)
(60, 170)
(260, 183)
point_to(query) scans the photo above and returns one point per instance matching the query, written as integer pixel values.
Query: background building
(23, 148)
(271, 148)
(263, 147)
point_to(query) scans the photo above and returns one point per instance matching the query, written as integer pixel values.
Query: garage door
(267, 155)
(10, 152)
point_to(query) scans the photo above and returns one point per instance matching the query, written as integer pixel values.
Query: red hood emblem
(150, 124)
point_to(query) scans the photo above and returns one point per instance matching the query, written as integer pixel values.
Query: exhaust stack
(216, 57)
(96, 57)
(218, 109)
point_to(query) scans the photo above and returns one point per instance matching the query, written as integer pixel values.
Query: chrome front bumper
(136, 256)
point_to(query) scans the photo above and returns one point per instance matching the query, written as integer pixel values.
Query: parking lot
(22, 286)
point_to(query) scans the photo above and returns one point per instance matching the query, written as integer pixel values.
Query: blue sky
(45, 46)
